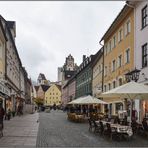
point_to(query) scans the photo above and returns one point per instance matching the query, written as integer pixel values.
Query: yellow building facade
(118, 53)
(53, 95)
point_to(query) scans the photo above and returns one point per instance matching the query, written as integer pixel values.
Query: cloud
(47, 32)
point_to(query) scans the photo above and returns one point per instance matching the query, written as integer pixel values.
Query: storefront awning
(4, 95)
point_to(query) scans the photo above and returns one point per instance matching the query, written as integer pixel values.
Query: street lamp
(132, 75)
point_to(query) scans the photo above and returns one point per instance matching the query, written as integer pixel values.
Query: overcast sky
(47, 32)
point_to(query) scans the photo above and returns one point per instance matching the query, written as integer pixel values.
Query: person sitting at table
(117, 120)
(134, 126)
(72, 109)
(144, 123)
(124, 122)
(84, 110)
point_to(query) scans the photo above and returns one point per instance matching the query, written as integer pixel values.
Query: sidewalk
(20, 131)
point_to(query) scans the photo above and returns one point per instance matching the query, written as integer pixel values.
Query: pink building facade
(68, 91)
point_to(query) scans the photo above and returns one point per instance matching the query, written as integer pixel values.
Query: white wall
(141, 37)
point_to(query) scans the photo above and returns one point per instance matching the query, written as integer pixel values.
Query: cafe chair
(101, 129)
(96, 127)
(134, 126)
(143, 128)
(91, 125)
(110, 132)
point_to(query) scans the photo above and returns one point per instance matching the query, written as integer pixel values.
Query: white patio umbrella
(131, 90)
(87, 100)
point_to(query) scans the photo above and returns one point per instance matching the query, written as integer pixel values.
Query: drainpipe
(102, 73)
(102, 66)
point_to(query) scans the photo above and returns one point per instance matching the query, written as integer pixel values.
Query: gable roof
(58, 86)
(10, 24)
(3, 31)
(42, 76)
(45, 87)
(36, 88)
(98, 56)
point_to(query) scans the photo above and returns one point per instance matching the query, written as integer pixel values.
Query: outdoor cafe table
(120, 128)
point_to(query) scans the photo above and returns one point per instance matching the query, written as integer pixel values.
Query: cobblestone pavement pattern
(20, 131)
(56, 131)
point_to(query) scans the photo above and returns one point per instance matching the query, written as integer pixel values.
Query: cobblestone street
(56, 131)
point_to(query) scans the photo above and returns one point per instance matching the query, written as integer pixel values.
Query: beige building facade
(53, 95)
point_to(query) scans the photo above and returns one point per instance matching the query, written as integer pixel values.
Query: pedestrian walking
(2, 113)
(9, 114)
(19, 110)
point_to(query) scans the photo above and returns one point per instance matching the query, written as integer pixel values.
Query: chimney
(84, 57)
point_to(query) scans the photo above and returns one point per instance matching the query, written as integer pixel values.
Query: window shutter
(117, 61)
(121, 61)
(129, 54)
(125, 57)
(129, 26)
(119, 36)
(125, 29)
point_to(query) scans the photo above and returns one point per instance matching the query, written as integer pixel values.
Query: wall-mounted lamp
(133, 75)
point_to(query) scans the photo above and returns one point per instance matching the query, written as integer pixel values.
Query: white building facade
(141, 50)
(12, 74)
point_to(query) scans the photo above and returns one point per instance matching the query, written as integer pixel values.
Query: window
(99, 68)
(114, 84)
(1, 50)
(127, 56)
(105, 72)
(104, 87)
(120, 82)
(120, 35)
(110, 45)
(120, 60)
(144, 16)
(144, 55)
(106, 49)
(109, 86)
(127, 27)
(113, 65)
(114, 41)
